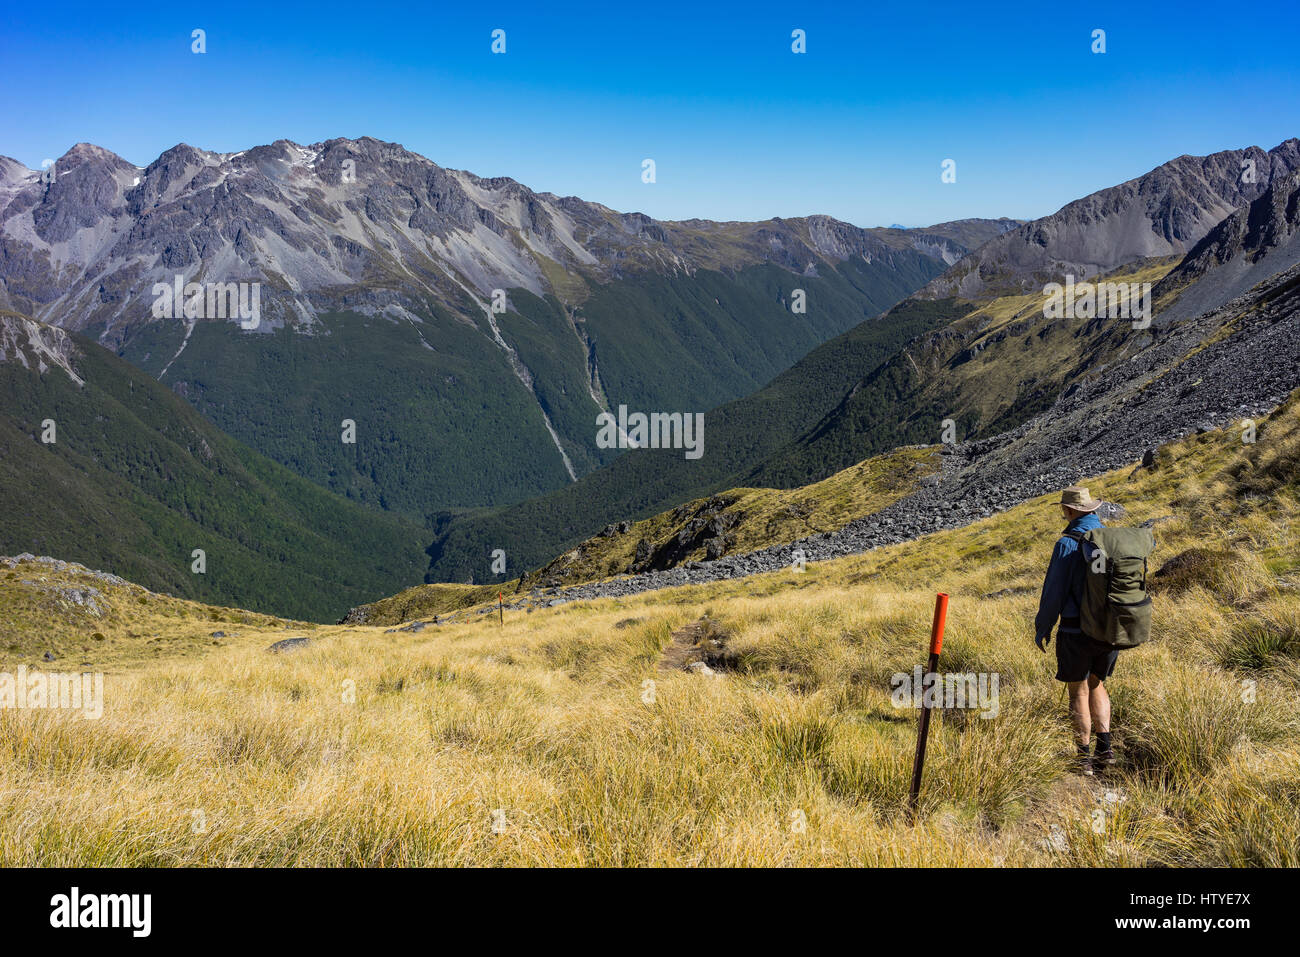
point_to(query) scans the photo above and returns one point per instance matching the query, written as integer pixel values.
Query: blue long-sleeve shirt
(1063, 585)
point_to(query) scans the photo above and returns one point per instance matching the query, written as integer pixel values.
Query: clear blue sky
(739, 126)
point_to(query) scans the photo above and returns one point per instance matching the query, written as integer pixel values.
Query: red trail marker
(923, 726)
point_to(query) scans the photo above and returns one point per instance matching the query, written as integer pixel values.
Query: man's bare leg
(1099, 708)
(1080, 714)
(1098, 704)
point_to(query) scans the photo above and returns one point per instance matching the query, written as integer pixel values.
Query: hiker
(1082, 662)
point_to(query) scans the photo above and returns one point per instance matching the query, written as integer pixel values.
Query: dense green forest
(136, 480)
(440, 417)
(739, 437)
(442, 421)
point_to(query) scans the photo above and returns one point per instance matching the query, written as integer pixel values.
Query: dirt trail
(701, 641)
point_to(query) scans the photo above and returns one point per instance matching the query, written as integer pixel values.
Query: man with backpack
(1096, 587)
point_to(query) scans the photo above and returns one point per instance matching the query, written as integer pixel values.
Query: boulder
(1111, 510)
(289, 644)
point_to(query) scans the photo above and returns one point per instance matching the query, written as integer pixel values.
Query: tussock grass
(755, 517)
(558, 738)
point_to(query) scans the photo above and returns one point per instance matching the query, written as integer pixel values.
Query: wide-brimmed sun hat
(1078, 498)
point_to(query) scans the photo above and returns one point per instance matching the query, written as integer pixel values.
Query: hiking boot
(1083, 765)
(1105, 759)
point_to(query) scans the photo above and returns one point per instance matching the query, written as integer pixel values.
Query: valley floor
(573, 735)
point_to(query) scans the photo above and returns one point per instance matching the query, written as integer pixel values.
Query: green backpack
(1116, 608)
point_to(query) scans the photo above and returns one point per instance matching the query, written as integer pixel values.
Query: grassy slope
(762, 516)
(126, 624)
(137, 479)
(558, 739)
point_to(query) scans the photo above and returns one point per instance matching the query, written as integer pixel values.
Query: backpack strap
(1078, 538)
(1081, 537)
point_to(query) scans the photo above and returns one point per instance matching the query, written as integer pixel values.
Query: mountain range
(988, 362)
(474, 428)
(377, 273)
(1133, 395)
(1162, 213)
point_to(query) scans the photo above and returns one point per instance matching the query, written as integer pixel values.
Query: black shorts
(1078, 656)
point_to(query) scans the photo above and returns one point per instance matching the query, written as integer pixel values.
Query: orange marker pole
(501, 609)
(923, 727)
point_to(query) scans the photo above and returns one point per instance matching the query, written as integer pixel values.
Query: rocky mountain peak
(362, 219)
(1161, 213)
(1230, 258)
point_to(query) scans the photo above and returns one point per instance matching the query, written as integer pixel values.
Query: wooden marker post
(923, 726)
(501, 609)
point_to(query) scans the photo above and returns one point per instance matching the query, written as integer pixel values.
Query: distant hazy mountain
(971, 233)
(376, 272)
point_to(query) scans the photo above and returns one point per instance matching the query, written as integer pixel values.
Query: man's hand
(1041, 641)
